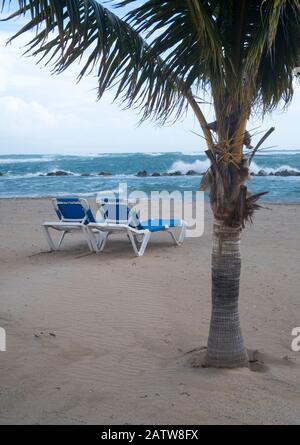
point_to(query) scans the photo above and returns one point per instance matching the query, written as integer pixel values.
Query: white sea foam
(82, 194)
(118, 190)
(193, 153)
(183, 167)
(11, 175)
(87, 155)
(201, 167)
(26, 160)
(267, 152)
(255, 168)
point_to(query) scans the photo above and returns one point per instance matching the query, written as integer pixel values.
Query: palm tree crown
(242, 52)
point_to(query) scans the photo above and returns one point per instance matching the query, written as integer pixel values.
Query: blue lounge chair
(74, 215)
(119, 217)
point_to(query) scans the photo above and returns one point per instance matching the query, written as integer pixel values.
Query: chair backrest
(118, 211)
(73, 209)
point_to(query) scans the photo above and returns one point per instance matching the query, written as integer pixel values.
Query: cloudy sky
(41, 113)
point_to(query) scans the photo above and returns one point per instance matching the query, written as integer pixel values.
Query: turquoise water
(21, 174)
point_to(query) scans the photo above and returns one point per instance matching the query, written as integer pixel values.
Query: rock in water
(177, 173)
(58, 173)
(287, 173)
(262, 173)
(142, 174)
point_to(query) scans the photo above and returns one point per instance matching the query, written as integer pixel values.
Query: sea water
(25, 175)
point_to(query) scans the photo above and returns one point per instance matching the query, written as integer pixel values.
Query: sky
(42, 113)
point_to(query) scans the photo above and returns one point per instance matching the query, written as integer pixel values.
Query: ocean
(26, 175)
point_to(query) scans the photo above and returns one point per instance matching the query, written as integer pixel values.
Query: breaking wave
(183, 167)
(255, 168)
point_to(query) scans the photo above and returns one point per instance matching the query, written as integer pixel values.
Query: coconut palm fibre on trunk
(225, 342)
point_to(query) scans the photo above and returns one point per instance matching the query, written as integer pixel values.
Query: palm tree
(159, 58)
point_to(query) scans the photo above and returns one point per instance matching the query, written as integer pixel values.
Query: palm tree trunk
(225, 343)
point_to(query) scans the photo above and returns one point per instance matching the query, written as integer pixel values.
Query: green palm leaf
(67, 30)
(163, 52)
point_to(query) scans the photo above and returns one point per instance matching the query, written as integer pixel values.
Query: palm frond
(272, 50)
(280, 56)
(68, 30)
(158, 57)
(184, 33)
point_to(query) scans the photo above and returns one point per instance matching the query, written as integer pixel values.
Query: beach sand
(108, 338)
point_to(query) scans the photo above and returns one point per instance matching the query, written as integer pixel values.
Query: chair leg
(92, 239)
(88, 238)
(182, 233)
(132, 240)
(61, 239)
(85, 235)
(173, 237)
(141, 250)
(144, 243)
(48, 238)
(103, 242)
(97, 246)
(181, 237)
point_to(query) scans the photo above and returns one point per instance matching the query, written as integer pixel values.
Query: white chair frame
(68, 226)
(134, 235)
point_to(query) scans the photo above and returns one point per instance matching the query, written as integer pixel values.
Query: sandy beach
(109, 338)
